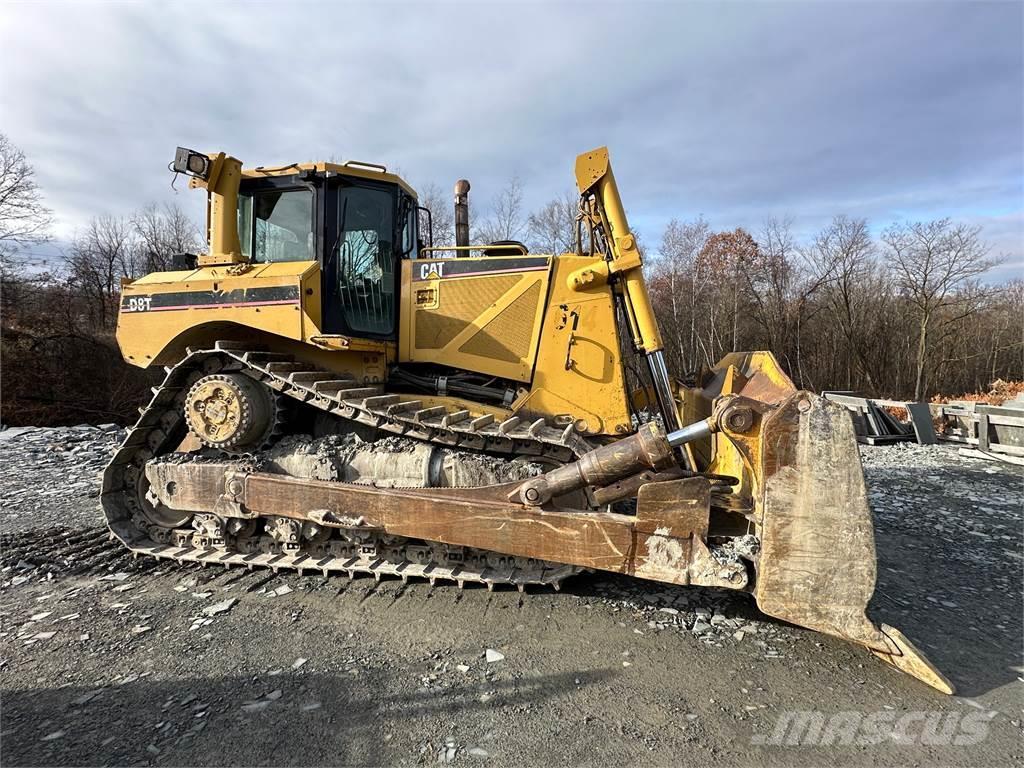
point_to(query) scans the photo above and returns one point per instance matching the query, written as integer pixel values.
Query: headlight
(190, 162)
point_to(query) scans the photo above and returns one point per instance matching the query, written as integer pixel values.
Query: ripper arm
(602, 208)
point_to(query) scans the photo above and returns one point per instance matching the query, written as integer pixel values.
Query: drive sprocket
(231, 412)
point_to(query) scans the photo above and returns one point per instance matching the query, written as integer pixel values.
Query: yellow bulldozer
(341, 395)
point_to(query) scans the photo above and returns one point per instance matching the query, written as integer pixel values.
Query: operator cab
(356, 223)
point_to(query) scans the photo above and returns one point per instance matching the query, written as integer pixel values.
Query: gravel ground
(108, 660)
(49, 476)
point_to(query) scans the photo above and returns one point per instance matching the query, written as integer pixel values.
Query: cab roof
(351, 168)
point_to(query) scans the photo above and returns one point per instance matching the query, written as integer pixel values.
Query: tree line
(904, 315)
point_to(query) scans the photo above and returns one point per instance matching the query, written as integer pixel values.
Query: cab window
(277, 225)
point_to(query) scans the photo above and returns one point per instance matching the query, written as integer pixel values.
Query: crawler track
(156, 532)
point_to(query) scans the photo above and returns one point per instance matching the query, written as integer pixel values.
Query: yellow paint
(487, 323)
(579, 366)
(594, 175)
(571, 362)
(221, 185)
(757, 375)
(588, 276)
(215, 409)
(552, 331)
(261, 172)
(160, 337)
(751, 364)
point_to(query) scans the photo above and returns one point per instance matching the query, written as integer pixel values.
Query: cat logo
(432, 271)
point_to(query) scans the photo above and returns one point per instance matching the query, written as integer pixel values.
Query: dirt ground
(312, 671)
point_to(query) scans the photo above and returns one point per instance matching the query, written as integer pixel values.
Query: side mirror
(430, 225)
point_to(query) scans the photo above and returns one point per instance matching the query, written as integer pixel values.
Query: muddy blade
(817, 566)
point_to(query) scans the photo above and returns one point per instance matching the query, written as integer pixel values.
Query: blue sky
(736, 111)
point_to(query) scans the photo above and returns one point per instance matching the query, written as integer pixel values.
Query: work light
(193, 163)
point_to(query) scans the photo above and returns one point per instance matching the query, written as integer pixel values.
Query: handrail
(361, 164)
(520, 249)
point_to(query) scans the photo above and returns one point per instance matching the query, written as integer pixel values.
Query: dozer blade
(817, 563)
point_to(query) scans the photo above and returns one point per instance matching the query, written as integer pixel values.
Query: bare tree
(505, 221)
(24, 220)
(773, 276)
(725, 260)
(442, 215)
(676, 267)
(999, 332)
(934, 264)
(782, 288)
(99, 257)
(552, 229)
(843, 258)
(161, 232)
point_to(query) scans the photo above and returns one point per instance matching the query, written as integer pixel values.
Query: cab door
(359, 279)
(478, 314)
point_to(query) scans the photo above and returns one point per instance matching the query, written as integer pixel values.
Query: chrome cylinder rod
(689, 433)
(663, 390)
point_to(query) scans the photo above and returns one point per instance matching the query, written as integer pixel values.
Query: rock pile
(51, 477)
(716, 617)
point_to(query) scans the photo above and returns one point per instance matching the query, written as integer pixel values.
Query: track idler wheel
(231, 412)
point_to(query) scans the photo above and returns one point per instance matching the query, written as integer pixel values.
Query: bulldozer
(341, 395)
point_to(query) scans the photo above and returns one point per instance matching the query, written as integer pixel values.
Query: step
(262, 358)
(509, 424)
(380, 401)
(237, 346)
(408, 405)
(535, 428)
(481, 421)
(454, 418)
(429, 413)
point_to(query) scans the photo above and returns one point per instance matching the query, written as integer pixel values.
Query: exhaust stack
(461, 215)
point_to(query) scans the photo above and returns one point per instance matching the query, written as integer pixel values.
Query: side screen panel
(478, 314)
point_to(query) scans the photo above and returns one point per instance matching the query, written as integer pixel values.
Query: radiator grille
(507, 337)
(461, 301)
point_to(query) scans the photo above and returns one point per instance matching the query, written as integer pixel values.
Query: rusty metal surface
(647, 449)
(461, 213)
(661, 542)
(629, 487)
(801, 482)
(905, 656)
(817, 565)
(155, 530)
